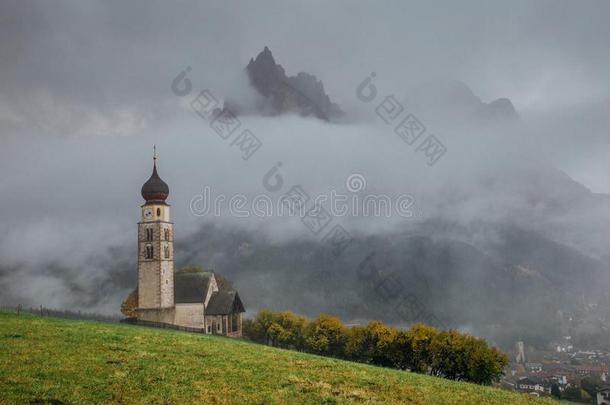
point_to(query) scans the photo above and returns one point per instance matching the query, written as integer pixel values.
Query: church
(191, 298)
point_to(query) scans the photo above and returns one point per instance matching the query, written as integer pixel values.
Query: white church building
(191, 298)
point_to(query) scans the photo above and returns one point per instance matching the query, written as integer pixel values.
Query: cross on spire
(154, 152)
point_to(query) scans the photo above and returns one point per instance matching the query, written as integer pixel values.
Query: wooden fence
(163, 325)
(58, 313)
(42, 311)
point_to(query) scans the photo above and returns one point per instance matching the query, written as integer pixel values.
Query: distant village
(562, 371)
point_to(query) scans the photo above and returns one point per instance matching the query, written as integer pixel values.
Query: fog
(87, 90)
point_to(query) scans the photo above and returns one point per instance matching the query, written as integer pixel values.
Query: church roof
(191, 286)
(155, 189)
(224, 302)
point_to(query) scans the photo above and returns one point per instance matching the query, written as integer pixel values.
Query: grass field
(47, 360)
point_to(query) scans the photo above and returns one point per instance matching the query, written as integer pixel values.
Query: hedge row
(421, 349)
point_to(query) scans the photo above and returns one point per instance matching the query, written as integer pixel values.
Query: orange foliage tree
(129, 306)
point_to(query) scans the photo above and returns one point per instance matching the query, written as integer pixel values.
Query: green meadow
(54, 361)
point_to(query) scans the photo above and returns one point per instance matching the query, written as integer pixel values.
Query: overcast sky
(85, 92)
(102, 68)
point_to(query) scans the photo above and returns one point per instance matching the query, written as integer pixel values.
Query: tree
(448, 355)
(326, 335)
(130, 305)
(372, 344)
(287, 330)
(357, 344)
(382, 340)
(401, 352)
(591, 384)
(258, 330)
(572, 394)
(280, 329)
(484, 365)
(555, 391)
(419, 339)
(277, 334)
(247, 329)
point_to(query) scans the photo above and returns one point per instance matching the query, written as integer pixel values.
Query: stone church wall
(165, 315)
(190, 315)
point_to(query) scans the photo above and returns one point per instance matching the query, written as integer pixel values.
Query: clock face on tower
(148, 213)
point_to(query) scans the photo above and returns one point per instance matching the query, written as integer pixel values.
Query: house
(533, 367)
(561, 375)
(191, 298)
(586, 370)
(564, 346)
(584, 355)
(533, 385)
(603, 396)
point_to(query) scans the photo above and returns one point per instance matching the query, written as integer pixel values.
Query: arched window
(149, 252)
(166, 252)
(149, 234)
(166, 232)
(158, 212)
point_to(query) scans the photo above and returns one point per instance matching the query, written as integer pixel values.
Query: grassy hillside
(46, 359)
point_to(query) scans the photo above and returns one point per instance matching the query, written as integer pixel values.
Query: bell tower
(155, 246)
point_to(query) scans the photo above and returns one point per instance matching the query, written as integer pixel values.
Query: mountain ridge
(302, 94)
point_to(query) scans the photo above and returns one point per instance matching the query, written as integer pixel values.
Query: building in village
(603, 396)
(533, 385)
(191, 298)
(533, 367)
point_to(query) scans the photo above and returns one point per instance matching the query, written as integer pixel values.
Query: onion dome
(155, 189)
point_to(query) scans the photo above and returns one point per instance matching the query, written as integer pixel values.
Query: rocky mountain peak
(303, 94)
